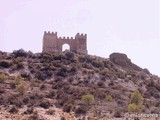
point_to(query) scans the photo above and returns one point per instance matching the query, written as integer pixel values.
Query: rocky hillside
(57, 86)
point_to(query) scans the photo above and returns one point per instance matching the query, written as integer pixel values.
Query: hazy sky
(127, 26)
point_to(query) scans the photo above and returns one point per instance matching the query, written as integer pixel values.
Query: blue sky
(127, 26)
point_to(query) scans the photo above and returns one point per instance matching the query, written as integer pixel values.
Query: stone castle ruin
(53, 43)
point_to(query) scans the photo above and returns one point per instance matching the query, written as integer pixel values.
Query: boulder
(123, 61)
(1, 54)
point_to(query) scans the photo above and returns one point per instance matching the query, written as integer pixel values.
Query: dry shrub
(81, 110)
(20, 53)
(117, 114)
(12, 109)
(88, 98)
(71, 79)
(25, 75)
(51, 94)
(109, 98)
(29, 110)
(3, 77)
(18, 80)
(5, 64)
(67, 107)
(97, 63)
(40, 75)
(45, 104)
(101, 84)
(34, 116)
(50, 112)
(20, 88)
(70, 56)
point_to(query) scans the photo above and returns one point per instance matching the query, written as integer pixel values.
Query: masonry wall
(52, 43)
(81, 41)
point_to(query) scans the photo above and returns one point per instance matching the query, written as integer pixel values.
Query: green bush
(3, 77)
(20, 88)
(19, 80)
(136, 102)
(133, 107)
(88, 98)
(109, 98)
(136, 98)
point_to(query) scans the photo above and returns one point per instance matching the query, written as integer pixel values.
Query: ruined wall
(81, 41)
(52, 43)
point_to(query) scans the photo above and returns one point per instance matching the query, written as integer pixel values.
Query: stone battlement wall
(53, 43)
(66, 38)
(50, 33)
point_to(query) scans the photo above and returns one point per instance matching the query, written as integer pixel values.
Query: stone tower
(52, 43)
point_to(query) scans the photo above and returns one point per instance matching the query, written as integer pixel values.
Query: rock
(122, 60)
(146, 71)
(13, 109)
(1, 54)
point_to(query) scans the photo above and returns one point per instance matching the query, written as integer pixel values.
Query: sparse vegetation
(133, 107)
(5, 64)
(20, 88)
(20, 53)
(51, 82)
(88, 99)
(3, 77)
(81, 110)
(45, 104)
(67, 107)
(109, 98)
(50, 112)
(12, 109)
(136, 102)
(19, 80)
(136, 98)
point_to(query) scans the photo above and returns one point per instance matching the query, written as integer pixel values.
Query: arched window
(65, 47)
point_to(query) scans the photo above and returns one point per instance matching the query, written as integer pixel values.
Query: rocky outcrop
(1, 54)
(122, 60)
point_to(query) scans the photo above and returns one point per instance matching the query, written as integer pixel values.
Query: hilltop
(51, 86)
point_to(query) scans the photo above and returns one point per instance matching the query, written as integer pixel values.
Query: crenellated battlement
(65, 38)
(53, 43)
(50, 33)
(82, 35)
(78, 35)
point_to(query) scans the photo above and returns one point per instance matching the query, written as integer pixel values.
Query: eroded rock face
(122, 60)
(1, 54)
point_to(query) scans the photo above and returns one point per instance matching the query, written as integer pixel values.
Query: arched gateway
(53, 43)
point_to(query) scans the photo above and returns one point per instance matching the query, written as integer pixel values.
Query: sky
(126, 26)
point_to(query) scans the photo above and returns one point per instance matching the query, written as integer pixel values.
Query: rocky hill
(70, 86)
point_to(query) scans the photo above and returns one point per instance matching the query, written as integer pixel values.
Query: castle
(53, 43)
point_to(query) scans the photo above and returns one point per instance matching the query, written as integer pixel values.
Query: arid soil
(51, 86)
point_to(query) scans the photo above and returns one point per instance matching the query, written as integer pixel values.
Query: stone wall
(53, 43)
